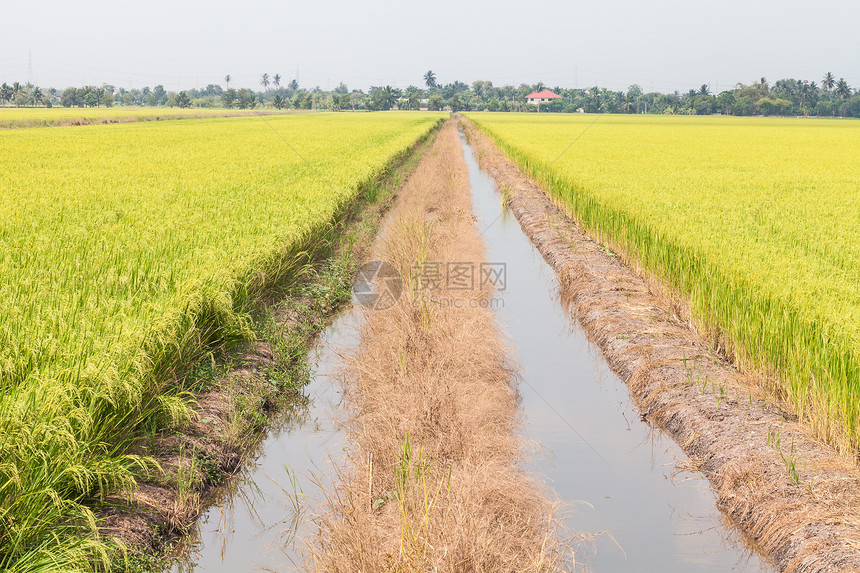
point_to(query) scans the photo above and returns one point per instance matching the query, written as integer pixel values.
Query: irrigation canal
(612, 471)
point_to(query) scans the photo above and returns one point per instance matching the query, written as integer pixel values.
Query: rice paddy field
(754, 220)
(14, 117)
(125, 248)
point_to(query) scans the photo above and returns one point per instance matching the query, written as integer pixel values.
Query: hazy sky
(664, 45)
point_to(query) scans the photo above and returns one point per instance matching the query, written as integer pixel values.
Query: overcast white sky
(664, 45)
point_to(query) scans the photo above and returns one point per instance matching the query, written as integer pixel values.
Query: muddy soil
(796, 498)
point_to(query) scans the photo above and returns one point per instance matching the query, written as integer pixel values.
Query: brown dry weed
(433, 481)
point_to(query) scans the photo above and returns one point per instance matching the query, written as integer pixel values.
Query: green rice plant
(127, 252)
(417, 497)
(753, 220)
(789, 459)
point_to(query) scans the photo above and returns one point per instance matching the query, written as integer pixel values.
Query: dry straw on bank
(434, 482)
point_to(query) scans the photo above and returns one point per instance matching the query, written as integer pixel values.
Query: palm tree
(828, 82)
(414, 101)
(843, 90)
(389, 97)
(227, 79)
(294, 85)
(276, 81)
(430, 79)
(16, 89)
(704, 90)
(5, 93)
(37, 95)
(264, 81)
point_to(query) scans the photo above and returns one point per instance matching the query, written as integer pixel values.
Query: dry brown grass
(433, 481)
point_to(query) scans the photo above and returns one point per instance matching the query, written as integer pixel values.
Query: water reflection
(258, 522)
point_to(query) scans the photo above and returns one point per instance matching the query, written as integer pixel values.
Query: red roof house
(542, 96)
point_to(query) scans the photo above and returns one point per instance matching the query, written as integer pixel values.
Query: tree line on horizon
(786, 97)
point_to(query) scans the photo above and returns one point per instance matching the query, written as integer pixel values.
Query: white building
(542, 96)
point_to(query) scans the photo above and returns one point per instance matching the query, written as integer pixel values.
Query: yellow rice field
(122, 249)
(11, 117)
(755, 220)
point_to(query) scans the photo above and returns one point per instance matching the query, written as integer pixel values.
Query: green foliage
(785, 97)
(182, 100)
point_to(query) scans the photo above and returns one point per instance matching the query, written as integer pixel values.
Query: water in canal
(613, 472)
(255, 523)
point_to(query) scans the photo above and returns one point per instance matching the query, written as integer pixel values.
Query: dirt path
(796, 498)
(433, 482)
